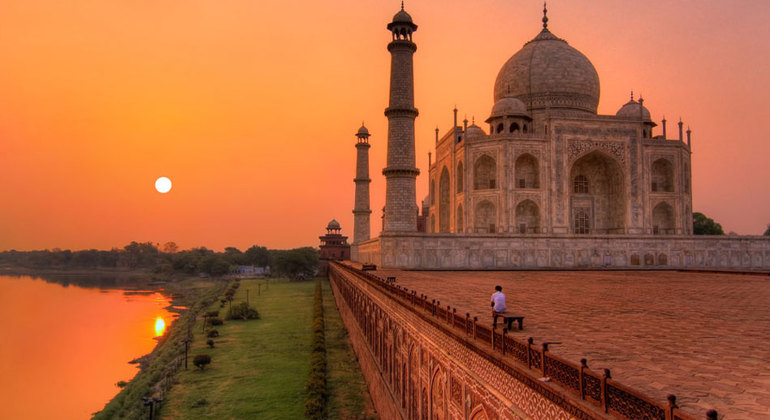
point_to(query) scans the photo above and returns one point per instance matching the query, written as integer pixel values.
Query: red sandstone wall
(415, 370)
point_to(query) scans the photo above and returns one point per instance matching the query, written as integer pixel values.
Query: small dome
(362, 132)
(631, 111)
(508, 106)
(333, 225)
(402, 17)
(474, 131)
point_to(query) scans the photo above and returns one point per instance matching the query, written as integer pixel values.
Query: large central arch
(597, 195)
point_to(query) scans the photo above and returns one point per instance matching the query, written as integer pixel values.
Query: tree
(234, 256)
(201, 360)
(767, 232)
(702, 225)
(258, 256)
(294, 263)
(170, 248)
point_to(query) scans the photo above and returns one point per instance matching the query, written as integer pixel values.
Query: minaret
(361, 211)
(401, 172)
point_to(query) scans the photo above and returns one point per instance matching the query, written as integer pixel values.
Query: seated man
(498, 301)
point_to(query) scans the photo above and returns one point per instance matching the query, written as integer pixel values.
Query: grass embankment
(157, 373)
(259, 367)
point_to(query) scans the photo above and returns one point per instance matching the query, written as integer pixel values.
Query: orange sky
(250, 106)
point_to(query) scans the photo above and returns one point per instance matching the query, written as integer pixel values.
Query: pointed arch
(478, 413)
(598, 200)
(663, 222)
(459, 216)
(460, 177)
(485, 217)
(662, 176)
(528, 217)
(527, 171)
(443, 200)
(484, 173)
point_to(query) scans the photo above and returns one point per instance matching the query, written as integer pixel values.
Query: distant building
(250, 270)
(334, 246)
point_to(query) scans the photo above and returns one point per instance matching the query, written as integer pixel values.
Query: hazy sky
(250, 107)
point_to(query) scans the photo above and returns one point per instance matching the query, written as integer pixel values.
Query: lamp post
(186, 343)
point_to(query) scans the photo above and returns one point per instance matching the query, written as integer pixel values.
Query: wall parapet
(574, 388)
(540, 251)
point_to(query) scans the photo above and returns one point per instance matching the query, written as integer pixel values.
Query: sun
(160, 326)
(163, 185)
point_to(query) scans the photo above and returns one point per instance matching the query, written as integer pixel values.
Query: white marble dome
(548, 73)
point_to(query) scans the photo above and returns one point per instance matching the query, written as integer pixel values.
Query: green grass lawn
(259, 367)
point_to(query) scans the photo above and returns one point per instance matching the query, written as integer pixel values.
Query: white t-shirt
(499, 300)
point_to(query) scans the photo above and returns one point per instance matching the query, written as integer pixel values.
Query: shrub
(201, 360)
(215, 321)
(121, 384)
(212, 314)
(212, 334)
(243, 311)
(210, 342)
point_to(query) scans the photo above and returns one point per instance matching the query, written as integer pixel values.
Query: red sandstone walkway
(702, 336)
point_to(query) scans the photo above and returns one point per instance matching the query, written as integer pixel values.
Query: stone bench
(508, 319)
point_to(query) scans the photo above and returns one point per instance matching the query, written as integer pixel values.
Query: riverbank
(259, 368)
(158, 368)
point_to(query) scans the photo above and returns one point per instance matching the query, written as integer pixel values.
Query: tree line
(168, 259)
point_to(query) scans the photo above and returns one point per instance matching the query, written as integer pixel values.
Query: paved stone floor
(704, 337)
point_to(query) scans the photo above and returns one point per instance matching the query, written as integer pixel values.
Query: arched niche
(485, 217)
(662, 176)
(527, 172)
(663, 222)
(443, 201)
(485, 173)
(527, 217)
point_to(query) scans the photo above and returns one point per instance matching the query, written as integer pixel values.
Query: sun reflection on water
(160, 327)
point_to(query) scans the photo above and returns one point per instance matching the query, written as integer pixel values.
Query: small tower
(401, 172)
(334, 246)
(361, 210)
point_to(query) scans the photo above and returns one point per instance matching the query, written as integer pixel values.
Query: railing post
(433, 307)
(583, 367)
(454, 312)
(492, 339)
(529, 352)
(475, 320)
(671, 406)
(542, 360)
(604, 389)
(505, 331)
(448, 313)
(467, 321)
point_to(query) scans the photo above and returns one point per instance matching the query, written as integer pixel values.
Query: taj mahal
(547, 182)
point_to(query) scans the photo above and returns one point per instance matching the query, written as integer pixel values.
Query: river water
(64, 347)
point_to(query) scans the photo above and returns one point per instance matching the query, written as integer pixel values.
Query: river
(65, 347)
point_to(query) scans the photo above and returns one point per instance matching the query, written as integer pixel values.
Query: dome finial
(402, 4)
(545, 17)
(632, 96)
